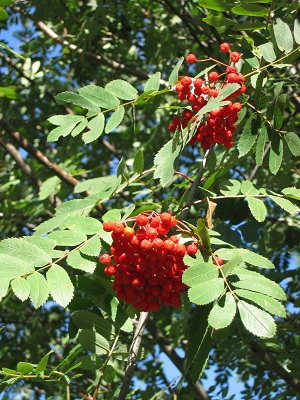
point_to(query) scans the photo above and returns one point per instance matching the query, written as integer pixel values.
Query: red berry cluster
(218, 126)
(146, 263)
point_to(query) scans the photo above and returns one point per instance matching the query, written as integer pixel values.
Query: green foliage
(85, 139)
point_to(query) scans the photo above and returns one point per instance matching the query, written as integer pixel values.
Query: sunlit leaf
(256, 320)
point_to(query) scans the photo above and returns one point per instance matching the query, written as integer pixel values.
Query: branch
(133, 352)
(10, 148)
(261, 353)
(96, 57)
(38, 155)
(159, 337)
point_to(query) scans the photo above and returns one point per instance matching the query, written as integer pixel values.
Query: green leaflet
(283, 36)
(90, 363)
(138, 162)
(267, 51)
(74, 98)
(257, 208)
(115, 119)
(67, 237)
(164, 161)
(286, 204)
(206, 292)
(96, 126)
(231, 187)
(222, 312)
(256, 320)
(99, 96)
(87, 225)
(250, 10)
(153, 83)
(174, 74)
(199, 273)
(122, 89)
(199, 337)
(92, 321)
(92, 246)
(271, 305)
(49, 187)
(256, 282)
(21, 288)
(39, 289)
(80, 261)
(93, 341)
(293, 142)
(25, 368)
(247, 256)
(260, 145)
(249, 135)
(247, 188)
(40, 368)
(60, 285)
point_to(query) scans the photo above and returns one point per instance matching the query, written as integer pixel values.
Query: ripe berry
(235, 56)
(129, 232)
(218, 260)
(142, 219)
(110, 270)
(192, 249)
(225, 47)
(186, 81)
(190, 58)
(105, 259)
(213, 76)
(108, 226)
(165, 218)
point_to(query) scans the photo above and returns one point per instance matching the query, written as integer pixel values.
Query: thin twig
(96, 57)
(133, 352)
(38, 155)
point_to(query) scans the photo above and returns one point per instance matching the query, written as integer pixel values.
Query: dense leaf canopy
(90, 93)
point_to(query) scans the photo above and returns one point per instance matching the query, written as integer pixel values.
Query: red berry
(165, 218)
(105, 259)
(128, 232)
(110, 270)
(225, 47)
(192, 249)
(232, 78)
(213, 76)
(235, 56)
(190, 58)
(142, 219)
(186, 81)
(218, 260)
(108, 226)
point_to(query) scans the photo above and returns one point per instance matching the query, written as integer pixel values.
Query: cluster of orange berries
(145, 262)
(218, 126)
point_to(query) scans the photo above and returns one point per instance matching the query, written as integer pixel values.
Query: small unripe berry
(225, 47)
